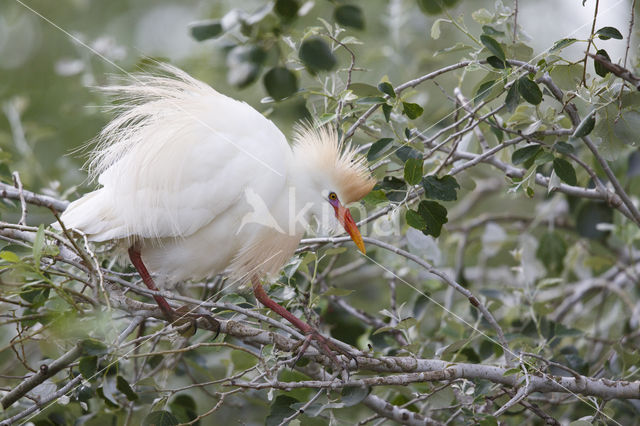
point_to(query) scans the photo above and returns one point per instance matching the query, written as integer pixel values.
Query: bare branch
(46, 371)
(617, 70)
(7, 191)
(43, 404)
(399, 89)
(23, 205)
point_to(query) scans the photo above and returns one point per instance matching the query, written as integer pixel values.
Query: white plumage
(181, 168)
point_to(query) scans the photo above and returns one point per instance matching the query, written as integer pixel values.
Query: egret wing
(178, 155)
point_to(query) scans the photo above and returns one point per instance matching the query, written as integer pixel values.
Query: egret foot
(185, 315)
(324, 345)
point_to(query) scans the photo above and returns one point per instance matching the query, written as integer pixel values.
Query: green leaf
(520, 51)
(288, 9)
(413, 171)
(513, 97)
(84, 393)
(523, 154)
(585, 127)
(454, 348)
(378, 147)
(529, 90)
(580, 423)
(316, 55)
(567, 77)
(544, 158)
(482, 16)
(405, 152)
(496, 62)
(435, 7)
(565, 171)
(35, 294)
(551, 251)
(160, 418)
(113, 404)
(204, 30)
(9, 256)
(386, 88)
(93, 347)
(244, 64)
(414, 220)
(435, 28)
(354, 395)
(184, 408)
(371, 100)
(38, 243)
(443, 189)
(493, 46)
(349, 15)
(483, 91)
(88, 365)
(605, 33)
(382, 330)
(242, 360)
(434, 215)
(339, 292)
(412, 110)
(564, 148)
(512, 371)
(497, 132)
(375, 197)
(615, 130)
(491, 31)
(280, 83)
(560, 44)
(590, 214)
(626, 126)
(386, 110)
(363, 89)
(280, 410)
(600, 69)
(123, 386)
(407, 323)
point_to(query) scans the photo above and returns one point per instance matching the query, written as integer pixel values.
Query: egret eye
(333, 196)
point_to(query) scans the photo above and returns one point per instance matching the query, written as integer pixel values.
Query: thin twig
(23, 203)
(591, 35)
(349, 72)
(44, 403)
(629, 33)
(402, 87)
(515, 21)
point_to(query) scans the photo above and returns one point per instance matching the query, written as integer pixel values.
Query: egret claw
(326, 347)
(184, 314)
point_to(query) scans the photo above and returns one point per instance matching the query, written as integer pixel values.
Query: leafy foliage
(500, 187)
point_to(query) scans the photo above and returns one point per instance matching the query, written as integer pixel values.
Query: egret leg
(167, 310)
(325, 345)
(136, 259)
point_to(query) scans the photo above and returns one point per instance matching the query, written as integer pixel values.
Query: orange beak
(344, 217)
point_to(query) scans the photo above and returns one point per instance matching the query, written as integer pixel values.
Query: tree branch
(46, 371)
(399, 89)
(9, 192)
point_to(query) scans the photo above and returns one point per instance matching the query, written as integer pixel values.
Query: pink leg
(325, 345)
(136, 259)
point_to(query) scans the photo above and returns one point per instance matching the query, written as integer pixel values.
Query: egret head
(334, 176)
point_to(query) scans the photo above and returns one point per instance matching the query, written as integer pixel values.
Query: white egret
(196, 183)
